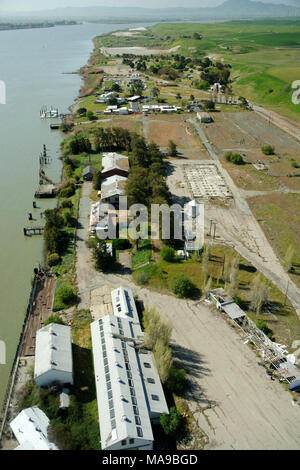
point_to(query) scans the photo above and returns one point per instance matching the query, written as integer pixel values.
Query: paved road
(279, 121)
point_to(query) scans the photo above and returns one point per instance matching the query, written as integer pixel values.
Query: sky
(35, 5)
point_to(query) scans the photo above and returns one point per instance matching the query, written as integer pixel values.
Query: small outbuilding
(88, 173)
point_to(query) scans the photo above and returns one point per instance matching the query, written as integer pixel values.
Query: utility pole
(211, 222)
(215, 227)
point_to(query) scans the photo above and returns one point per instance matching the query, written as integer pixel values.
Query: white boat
(49, 114)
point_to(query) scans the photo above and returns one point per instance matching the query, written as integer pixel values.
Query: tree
(53, 259)
(172, 149)
(167, 253)
(260, 294)
(172, 422)
(208, 105)
(67, 295)
(163, 359)
(182, 286)
(177, 380)
(97, 180)
(103, 259)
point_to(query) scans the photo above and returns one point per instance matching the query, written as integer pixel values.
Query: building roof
(112, 161)
(30, 428)
(113, 186)
(53, 349)
(233, 310)
(89, 169)
(128, 387)
(134, 98)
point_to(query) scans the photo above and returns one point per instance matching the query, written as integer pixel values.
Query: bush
(53, 259)
(142, 278)
(54, 319)
(268, 150)
(235, 158)
(67, 295)
(182, 286)
(167, 253)
(177, 380)
(172, 422)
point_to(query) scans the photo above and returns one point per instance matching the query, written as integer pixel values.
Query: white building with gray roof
(53, 356)
(30, 428)
(129, 391)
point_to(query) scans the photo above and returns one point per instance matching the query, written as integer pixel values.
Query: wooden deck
(42, 309)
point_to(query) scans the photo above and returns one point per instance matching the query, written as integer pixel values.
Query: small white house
(53, 356)
(30, 428)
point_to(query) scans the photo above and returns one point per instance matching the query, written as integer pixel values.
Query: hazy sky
(31, 5)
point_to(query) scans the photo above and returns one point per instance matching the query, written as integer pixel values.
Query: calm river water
(33, 64)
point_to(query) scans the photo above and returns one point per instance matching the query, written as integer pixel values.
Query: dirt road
(232, 398)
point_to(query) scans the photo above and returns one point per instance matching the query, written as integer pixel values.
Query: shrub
(67, 295)
(167, 253)
(142, 278)
(182, 286)
(268, 150)
(68, 191)
(295, 164)
(53, 259)
(177, 380)
(54, 319)
(172, 422)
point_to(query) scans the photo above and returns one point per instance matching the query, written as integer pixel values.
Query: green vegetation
(235, 158)
(142, 255)
(268, 150)
(54, 319)
(177, 380)
(168, 254)
(182, 286)
(264, 327)
(102, 259)
(171, 423)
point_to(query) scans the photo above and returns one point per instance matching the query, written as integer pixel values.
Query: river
(35, 65)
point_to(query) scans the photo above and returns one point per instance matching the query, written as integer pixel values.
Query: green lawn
(143, 255)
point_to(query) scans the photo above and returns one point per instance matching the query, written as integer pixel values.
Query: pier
(28, 231)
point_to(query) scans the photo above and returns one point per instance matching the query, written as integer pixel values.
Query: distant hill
(230, 9)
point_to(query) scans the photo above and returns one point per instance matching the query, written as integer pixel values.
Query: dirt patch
(137, 50)
(131, 123)
(163, 128)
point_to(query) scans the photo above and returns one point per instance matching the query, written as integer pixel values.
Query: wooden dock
(41, 310)
(28, 231)
(45, 191)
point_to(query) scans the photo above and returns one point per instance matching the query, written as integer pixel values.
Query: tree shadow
(84, 379)
(191, 361)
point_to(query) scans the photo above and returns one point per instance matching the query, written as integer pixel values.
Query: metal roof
(89, 169)
(233, 310)
(53, 349)
(112, 160)
(129, 391)
(113, 186)
(30, 428)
